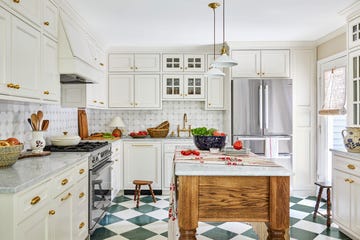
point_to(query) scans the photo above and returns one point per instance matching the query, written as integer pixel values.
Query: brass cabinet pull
(350, 166)
(16, 1)
(181, 68)
(141, 145)
(258, 73)
(10, 85)
(82, 224)
(131, 67)
(116, 160)
(66, 197)
(209, 104)
(136, 104)
(347, 180)
(351, 181)
(101, 64)
(101, 102)
(81, 171)
(136, 67)
(46, 92)
(263, 73)
(52, 212)
(46, 23)
(131, 104)
(35, 200)
(94, 101)
(64, 181)
(81, 195)
(116, 149)
(17, 86)
(185, 95)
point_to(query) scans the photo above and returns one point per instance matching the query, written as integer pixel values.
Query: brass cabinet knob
(94, 101)
(350, 166)
(131, 67)
(101, 64)
(66, 197)
(258, 73)
(81, 195)
(351, 181)
(17, 86)
(101, 102)
(116, 149)
(10, 85)
(16, 1)
(181, 68)
(136, 104)
(64, 181)
(209, 104)
(81, 171)
(52, 212)
(46, 23)
(131, 104)
(35, 200)
(82, 224)
(263, 73)
(136, 67)
(46, 92)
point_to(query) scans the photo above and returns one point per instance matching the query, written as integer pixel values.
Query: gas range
(100, 151)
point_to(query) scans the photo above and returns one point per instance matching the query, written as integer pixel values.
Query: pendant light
(224, 60)
(214, 71)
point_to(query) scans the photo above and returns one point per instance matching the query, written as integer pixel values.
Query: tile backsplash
(13, 118)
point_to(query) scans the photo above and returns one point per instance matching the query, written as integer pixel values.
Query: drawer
(347, 165)
(81, 171)
(62, 182)
(116, 147)
(31, 201)
(80, 198)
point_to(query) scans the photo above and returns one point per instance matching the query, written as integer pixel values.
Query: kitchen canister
(351, 136)
(37, 141)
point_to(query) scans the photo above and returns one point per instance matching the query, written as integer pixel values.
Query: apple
(116, 134)
(13, 141)
(238, 145)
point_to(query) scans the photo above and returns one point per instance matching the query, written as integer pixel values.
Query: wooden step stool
(138, 184)
(328, 186)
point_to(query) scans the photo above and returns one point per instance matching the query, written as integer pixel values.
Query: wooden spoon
(34, 121)
(40, 116)
(45, 125)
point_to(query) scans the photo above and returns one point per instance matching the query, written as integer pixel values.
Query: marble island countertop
(30, 171)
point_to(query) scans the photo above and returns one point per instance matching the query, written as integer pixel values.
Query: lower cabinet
(117, 183)
(346, 194)
(142, 160)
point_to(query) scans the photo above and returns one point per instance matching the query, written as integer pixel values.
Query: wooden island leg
(279, 208)
(188, 194)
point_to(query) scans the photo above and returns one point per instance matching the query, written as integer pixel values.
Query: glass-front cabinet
(354, 33)
(183, 87)
(183, 62)
(354, 98)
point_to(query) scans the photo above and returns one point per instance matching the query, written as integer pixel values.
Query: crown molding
(331, 35)
(351, 11)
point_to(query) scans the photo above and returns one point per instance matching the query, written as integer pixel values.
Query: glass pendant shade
(214, 72)
(224, 61)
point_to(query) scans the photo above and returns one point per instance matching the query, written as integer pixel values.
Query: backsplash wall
(13, 118)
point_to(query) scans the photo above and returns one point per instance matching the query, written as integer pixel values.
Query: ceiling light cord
(214, 32)
(223, 24)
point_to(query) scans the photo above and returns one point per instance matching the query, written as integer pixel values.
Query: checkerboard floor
(124, 221)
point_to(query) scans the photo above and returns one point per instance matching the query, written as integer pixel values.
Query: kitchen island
(215, 192)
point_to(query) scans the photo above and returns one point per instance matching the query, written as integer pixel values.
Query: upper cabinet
(177, 87)
(130, 62)
(50, 19)
(215, 93)
(183, 63)
(31, 9)
(5, 44)
(261, 63)
(354, 33)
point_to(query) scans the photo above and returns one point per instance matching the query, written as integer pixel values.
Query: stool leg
(152, 193)
(318, 202)
(138, 196)
(328, 208)
(135, 192)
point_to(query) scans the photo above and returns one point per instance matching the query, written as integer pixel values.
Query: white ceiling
(190, 22)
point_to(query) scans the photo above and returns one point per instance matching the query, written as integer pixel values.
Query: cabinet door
(97, 93)
(172, 62)
(194, 63)
(168, 170)
(147, 62)
(142, 160)
(50, 18)
(121, 91)
(25, 64)
(215, 93)
(173, 86)
(147, 91)
(80, 210)
(121, 62)
(354, 33)
(49, 85)
(248, 63)
(31, 9)
(115, 176)
(355, 206)
(194, 87)
(5, 50)
(275, 63)
(353, 97)
(34, 227)
(341, 195)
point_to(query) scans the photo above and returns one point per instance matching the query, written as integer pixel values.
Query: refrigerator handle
(266, 106)
(260, 106)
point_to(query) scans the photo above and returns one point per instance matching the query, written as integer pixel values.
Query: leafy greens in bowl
(203, 131)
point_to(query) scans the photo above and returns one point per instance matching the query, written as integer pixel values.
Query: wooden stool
(328, 186)
(138, 184)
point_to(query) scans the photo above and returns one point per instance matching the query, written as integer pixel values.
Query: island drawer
(62, 182)
(347, 165)
(81, 170)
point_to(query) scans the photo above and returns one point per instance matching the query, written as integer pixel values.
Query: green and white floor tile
(124, 221)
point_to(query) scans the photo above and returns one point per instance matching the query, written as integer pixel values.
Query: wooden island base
(233, 199)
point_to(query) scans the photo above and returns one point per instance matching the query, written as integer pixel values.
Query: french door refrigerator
(262, 112)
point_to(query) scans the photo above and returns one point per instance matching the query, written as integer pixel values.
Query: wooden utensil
(83, 124)
(40, 116)
(29, 121)
(45, 125)
(34, 121)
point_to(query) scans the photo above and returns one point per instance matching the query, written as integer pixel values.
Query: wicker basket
(9, 155)
(163, 125)
(158, 133)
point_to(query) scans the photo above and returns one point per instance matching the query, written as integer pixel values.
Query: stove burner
(81, 147)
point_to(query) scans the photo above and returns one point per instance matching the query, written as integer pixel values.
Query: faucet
(184, 129)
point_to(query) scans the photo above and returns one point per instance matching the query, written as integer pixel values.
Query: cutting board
(83, 124)
(29, 154)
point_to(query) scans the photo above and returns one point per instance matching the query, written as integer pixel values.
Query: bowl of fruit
(204, 138)
(10, 150)
(139, 134)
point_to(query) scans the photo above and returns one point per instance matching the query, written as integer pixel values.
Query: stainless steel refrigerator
(262, 110)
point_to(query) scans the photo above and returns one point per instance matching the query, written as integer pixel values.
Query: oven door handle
(99, 169)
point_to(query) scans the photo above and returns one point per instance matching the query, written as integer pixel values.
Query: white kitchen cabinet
(50, 19)
(261, 63)
(31, 9)
(183, 62)
(142, 160)
(117, 176)
(35, 227)
(5, 43)
(25, 60)
(354, 33)
(346, 193)
(210, 60)
(183, 87)
(134, 91)
(215, 93)
(49, 83)
(130, 62)
(353, 97)
(98, 57)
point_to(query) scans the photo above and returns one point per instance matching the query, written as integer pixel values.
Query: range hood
(76, 62)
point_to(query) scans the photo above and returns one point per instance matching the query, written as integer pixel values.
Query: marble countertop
(345, 153)
(29, 171)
